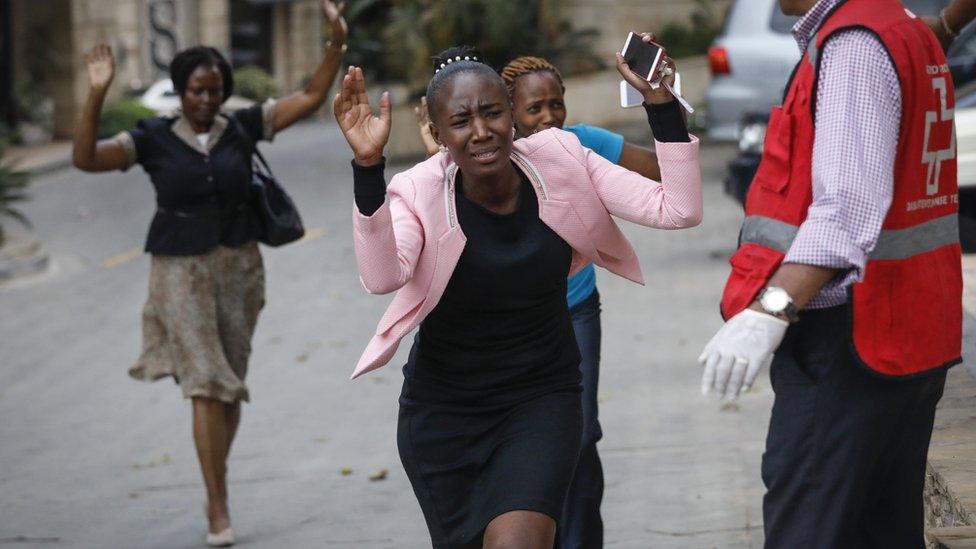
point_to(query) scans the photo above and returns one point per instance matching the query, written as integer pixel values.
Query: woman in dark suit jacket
(206, 283)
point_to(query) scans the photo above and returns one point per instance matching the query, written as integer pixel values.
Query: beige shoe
(224, 538)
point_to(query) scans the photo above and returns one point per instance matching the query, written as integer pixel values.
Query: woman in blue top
(537, 92)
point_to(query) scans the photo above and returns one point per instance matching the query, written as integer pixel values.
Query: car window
(782, 23)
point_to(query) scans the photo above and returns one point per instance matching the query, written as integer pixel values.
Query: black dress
(490, 418)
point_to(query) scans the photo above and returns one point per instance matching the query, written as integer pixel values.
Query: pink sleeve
(388, 243)
(674, 203)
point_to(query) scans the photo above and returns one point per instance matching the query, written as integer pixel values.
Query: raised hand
(651, 95)
(366, 134)
(337, 24)
(101, 66)
(423, 124)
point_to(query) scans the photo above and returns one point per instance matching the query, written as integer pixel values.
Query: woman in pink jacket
(478, 241)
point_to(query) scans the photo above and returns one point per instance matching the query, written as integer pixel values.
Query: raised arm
(673, 203)
(388, 236)
(641, 160)
(676, 201)
(294, 107)
(88, 152)
(951, 20)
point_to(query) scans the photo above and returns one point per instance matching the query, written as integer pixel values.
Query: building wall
(298, 42)
(144, 35)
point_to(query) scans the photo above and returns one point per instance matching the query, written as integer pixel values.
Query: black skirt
(468, 468)
(490, 417)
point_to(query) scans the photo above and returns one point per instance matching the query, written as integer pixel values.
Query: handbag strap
(251, 145)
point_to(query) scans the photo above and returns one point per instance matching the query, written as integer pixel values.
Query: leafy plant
(13, 189)
(254, 83)
(395, 39)
(121, 116)
(694, 37)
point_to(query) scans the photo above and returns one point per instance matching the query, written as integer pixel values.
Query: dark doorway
(250, 34)
(7, 108)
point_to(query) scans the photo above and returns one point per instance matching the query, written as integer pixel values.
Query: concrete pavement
(91, 458)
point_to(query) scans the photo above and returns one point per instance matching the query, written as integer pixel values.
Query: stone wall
(298, 42)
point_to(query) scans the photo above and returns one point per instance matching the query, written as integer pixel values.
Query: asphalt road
(91, 458)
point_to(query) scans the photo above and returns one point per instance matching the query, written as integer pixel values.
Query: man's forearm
(802, 282)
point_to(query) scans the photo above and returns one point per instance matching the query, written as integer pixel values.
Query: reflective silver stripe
(768, 232)
(904, 243)
(892, 243)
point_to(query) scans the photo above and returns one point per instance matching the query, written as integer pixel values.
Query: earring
(442, 148)
(514, 133)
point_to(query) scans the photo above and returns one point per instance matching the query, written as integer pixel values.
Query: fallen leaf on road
(160, 461)
(729, 407)
(346, 471)
(302, 358)
(379, 475)
(322, 440)
(133, 495)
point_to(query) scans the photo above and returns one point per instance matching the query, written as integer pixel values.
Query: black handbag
(277, 215)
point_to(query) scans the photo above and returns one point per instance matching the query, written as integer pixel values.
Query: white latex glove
(740, 348)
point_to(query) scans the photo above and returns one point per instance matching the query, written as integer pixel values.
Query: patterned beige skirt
(198, 321)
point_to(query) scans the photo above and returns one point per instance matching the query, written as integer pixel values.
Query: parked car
(752, 59)
(163, 99)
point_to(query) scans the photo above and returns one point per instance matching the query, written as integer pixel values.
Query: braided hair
(449, 64)
(524, 65)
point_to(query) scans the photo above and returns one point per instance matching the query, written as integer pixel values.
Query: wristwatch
(777, 302)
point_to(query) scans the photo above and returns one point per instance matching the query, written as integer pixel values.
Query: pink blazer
(413, 242)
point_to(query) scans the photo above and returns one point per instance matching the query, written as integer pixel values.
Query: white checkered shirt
(856, 139)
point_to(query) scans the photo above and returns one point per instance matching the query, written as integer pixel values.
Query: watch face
(775, 300)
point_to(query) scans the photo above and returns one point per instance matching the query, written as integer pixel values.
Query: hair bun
(454, 54)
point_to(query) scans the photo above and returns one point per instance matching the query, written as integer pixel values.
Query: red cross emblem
(940, 138)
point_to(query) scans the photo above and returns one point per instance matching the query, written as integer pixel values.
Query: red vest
(907, 311)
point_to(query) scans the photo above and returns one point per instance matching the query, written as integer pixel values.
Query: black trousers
(581, 526)
(845, 456)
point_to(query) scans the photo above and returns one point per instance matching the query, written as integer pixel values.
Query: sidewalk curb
(49, 167)
(21, 255)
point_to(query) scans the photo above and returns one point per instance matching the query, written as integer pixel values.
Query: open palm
(101, 65)
(366, 134)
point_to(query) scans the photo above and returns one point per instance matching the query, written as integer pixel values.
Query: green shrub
(694, 37)
(255, 84)
(121, 116)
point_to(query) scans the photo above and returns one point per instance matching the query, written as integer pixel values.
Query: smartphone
(642, 57)
(630, 97)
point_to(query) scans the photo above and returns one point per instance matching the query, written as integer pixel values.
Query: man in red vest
(847, 278)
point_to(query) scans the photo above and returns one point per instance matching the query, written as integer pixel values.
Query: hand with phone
(644, 61)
